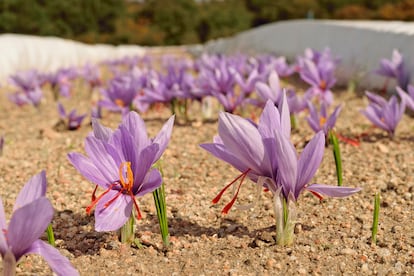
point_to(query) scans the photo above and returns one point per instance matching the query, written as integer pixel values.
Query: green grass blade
(50, 235)
(337, 155)
(161, 207)
(375, 218)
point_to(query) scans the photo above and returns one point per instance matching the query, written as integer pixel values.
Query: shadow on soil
(76, 233)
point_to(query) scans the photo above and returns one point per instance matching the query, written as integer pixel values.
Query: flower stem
(161, 207)
(293, 121)
(285, 211)
(173, 104)
(127, 231)
(50, 235)
(375, 218)
(337, 155)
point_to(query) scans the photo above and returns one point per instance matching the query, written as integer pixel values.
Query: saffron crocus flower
(407, 96)
(320, 120)
(120, 93)
(29, 88)
(121, 162)
(72, 120)
(386, 115)
(91, 74)
(395, 68)
(320, 77)
(270, 90)
(32, 213)
(265, 154)
(61, 80)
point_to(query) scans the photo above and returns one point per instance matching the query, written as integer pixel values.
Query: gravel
(331, 237)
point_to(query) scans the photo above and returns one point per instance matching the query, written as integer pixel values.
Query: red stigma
(230, 204)
(126, 182)
(317, 195)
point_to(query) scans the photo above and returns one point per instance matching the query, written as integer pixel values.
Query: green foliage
(169, 22)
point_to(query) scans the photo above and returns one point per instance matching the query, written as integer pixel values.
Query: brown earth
(332, 237)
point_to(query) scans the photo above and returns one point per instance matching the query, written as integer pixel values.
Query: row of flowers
(123, 163)
(234, 81)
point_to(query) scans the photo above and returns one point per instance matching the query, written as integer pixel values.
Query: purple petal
(3, 225)
(409, 102)
(242, 139)
(27, 224)
(99, 131)
(88, 169)
(332, 191)
(375, 98)
(57, 262)
(287, 163)
(99, 156)
(219, 151)
(264, 92)
(136, 126)
(33, 189)
(164, 137)
(61, 110)
(330, 123)
(269, 120)
(309, 161)
(115, 215)
(371, 115)
(152, 181)
(144, 163)
(284, 115)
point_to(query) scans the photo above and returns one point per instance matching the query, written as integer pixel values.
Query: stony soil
(332, 237)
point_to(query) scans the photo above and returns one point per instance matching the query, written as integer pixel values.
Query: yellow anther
(119, 103)
(322, 121)
(130, 176)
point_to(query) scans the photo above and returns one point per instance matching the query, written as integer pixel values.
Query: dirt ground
(332, 237)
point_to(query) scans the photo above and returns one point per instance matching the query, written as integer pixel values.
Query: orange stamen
(322, 121)
(322, 84)
(119, 102)
(126, 184)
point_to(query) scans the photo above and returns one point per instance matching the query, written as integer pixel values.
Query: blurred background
(174, 22)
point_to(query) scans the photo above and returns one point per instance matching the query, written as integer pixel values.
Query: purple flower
(384, 114)
(29, 88)
(27, 80)
(62, 80)
(121, 162)
(32, 213)
(271, 90)
(265, 155)
(395, 68)
(33, 97)
(408, 97)
(247, 85)
(176, 83)
(320, 77)
(72, 120)
(121, 93)
(91, 74)
(320, 120)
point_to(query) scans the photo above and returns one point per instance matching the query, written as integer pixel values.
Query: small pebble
(347, 251)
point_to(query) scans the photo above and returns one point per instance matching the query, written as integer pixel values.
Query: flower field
(266, 123)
